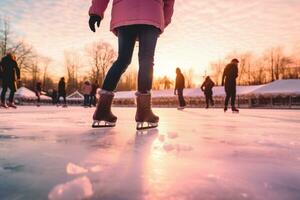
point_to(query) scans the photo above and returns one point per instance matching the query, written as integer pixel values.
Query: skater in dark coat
(229, 80)
(93, 98)
(179, 86)
(10, 76)
(62, 91)
(207, 87)
(54, 96)
(38, 92)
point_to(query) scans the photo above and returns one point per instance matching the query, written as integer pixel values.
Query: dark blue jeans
(181, 100)
(127, 36)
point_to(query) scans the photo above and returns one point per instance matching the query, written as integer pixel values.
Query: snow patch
(75, 169)
(76, 189)
(96, 168)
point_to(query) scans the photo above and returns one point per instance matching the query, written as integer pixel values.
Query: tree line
(97, 57)
(273, 64)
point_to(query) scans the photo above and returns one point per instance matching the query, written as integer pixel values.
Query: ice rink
(53, 153)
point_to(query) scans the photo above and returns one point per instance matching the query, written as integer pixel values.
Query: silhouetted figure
(54, 96)
(229, 78)
(207, 87)
(179, 86)
(86, 91)
(167, 83)
(62, 91)
(10, 75)
(93, 99)
(38, 92)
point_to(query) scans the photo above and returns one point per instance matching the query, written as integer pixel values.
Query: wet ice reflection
(215, 156)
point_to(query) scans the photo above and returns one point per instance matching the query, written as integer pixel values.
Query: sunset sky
(201, 30)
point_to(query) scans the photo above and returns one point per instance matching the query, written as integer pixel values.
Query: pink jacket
(128, 12)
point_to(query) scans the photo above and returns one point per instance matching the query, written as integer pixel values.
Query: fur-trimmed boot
(144, 112)
(103, 111)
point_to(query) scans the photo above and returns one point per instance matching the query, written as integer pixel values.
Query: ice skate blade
(97, 124)
(140, 125)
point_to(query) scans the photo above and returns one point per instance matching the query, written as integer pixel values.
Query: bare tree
(44, 64)
(217, 70)
(4, 35)
(24, 52)
(72, 64)
(189, 78)
(128, 81)
(101, 56)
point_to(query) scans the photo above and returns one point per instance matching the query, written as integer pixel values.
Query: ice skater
(141, 20)
(61, 92)
(179, 87)
(207, 87)
(54, 96)
(93, 99)
(38, 92)
(86, 91)
(229, 78)
(10, 76)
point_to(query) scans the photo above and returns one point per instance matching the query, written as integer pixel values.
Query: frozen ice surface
(53, 153)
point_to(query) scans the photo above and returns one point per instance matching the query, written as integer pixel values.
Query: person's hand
(93, 20)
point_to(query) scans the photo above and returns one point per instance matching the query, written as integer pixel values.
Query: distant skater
(93, 99)
(54, 96)
(61, 92)
(229, 78)
(86, 91)
(10, 76)
(179, 86)
(38, 92)
(137, 20)
(207, 87)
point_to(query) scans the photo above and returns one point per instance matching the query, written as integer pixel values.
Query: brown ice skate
(103, 112)
(144, 112)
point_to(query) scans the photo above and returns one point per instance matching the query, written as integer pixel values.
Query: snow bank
(283, 87)
(287, 87)
(191, 92)
(25, 93)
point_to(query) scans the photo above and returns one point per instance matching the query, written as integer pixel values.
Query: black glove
(93, 20)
